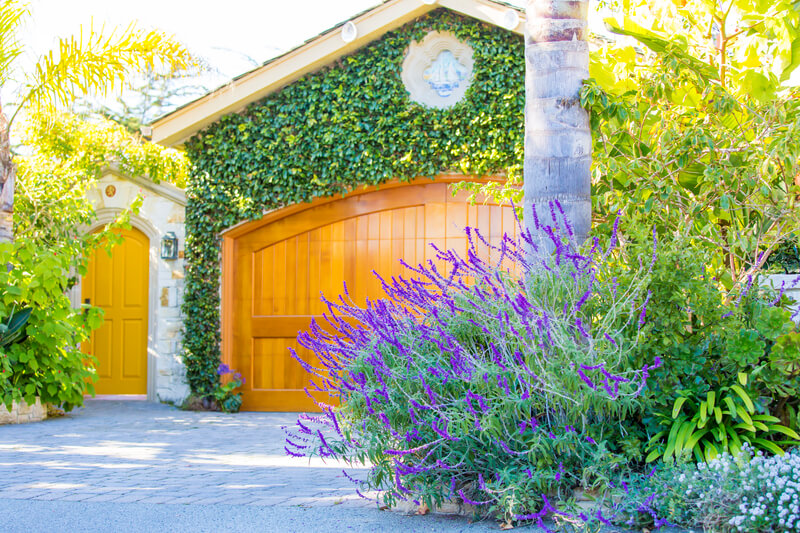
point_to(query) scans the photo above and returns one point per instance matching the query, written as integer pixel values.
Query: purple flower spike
(473, 357)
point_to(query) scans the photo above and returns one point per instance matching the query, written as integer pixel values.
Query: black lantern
(169, 246)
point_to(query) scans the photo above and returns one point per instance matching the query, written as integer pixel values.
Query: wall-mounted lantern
(169, 246)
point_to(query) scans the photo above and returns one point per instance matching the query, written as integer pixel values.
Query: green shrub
(501, 390)
(719, 422)
(708, 338)
(225, 395)
(52, 208)
(49, 363)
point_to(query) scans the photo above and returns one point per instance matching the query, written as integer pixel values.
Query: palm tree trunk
(8, 173)
(558, 138)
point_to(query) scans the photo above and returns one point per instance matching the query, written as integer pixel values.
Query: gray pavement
(122, 466)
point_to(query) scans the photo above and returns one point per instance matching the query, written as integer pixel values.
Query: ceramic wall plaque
(437, 71)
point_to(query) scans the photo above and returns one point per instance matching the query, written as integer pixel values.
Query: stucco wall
(791, 287)
(162, 211)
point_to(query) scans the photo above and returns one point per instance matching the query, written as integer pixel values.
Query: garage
(330, 161)
(274, 270)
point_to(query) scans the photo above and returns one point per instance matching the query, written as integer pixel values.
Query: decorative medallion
(111, 191)
(438, 70)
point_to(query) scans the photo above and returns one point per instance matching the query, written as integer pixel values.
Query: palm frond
(12, 13)
(99, 63)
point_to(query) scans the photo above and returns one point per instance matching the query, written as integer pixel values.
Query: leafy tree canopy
(696, 128)
(63, 156)
(67, 154)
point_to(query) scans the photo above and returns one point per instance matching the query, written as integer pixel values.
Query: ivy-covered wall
(349, 124)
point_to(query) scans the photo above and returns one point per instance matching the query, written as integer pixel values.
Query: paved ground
(135, 466)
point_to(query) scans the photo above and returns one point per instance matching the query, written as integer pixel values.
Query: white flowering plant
(750, 493)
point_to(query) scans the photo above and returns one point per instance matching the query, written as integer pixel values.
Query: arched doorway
(119, 284)
(274, 270)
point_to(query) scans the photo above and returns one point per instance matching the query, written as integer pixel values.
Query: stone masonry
(21, 413)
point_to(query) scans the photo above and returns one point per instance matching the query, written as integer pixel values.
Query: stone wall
(162, 211)
(21, 413)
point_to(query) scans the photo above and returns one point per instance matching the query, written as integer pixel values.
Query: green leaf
(13, 291)
(652, 456)
(695, 438)
(766, 418)
(671, 440)
(658, 436)
(767, 445)
(698, 454)
(744, 416)
(745, 398)
(783, 429)
(795, 61)
(658, 44)
(731, 405)
(686, 430)
(734, 437)
(676, 408)
(710, 451)
(760, 425)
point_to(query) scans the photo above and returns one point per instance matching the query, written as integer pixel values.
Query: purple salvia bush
(498, 386)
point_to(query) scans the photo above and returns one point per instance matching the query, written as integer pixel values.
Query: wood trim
(175, 128)
(326, 213)
(485, 10)
(270, 216)
(226, 300)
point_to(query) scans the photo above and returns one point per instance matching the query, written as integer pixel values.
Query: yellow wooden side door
(119, 284)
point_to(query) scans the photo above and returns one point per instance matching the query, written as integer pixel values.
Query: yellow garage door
(275, 269)
(119, 284)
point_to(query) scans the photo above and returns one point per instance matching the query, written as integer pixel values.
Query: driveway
(122, 466)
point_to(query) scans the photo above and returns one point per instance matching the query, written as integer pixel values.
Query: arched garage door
(274, 270)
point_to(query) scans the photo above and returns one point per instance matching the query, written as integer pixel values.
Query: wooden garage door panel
(290, 275)
(271, 370)
(282, 267)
